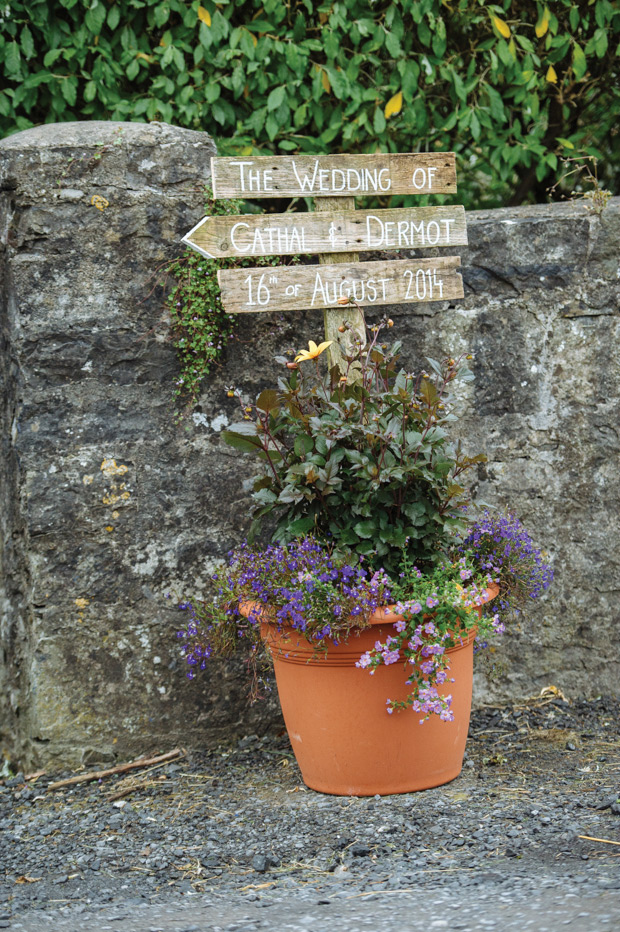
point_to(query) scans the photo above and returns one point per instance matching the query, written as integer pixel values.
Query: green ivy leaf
(90, 91)
(276, 97)
(68, 88)
(475, 126)
(378, 122)
(12, 58)
(392, 44)
(238, 80)
(114, 16)
(498, 113)
(272, 126)
(219, 114)
(299, 29)
(51, 56)
(212, 93)
(246, 44)
(161, 14)
(365, 529)
(27, 43)
(580, 64)
(459, 86)
(95, 17)
(339, 84)
(179, 60)
(600, 42)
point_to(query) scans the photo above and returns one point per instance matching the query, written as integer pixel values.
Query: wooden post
(336, 317)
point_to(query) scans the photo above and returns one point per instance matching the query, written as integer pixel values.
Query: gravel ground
(213, 840)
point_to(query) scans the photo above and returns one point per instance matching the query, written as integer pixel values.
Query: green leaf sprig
(201, 329)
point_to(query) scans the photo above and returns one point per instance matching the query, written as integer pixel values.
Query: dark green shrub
(366, 463)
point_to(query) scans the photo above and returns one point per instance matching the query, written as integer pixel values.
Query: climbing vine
(200, 327)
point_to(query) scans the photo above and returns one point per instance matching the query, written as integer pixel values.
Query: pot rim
(290, 645)
(381, 616)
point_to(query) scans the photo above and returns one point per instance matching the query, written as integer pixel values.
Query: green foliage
(364, 462)
(511, 87)
(200, 326)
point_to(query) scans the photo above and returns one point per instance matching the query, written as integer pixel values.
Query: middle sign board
(328, 232)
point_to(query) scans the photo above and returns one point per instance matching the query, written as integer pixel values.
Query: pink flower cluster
(429, 702)
(386, 652)
(425, 652)
(434, 619)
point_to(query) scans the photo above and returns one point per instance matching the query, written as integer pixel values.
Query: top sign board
(334, 175)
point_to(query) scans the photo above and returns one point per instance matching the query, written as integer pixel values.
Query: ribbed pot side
(336, 715)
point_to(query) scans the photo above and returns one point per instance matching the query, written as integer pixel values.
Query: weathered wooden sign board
(337, 233)
(294, 288)
(334, 175)
(329, 231)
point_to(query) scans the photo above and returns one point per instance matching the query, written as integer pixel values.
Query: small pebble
(259, 863)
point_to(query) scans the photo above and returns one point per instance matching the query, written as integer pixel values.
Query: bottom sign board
(298, 288)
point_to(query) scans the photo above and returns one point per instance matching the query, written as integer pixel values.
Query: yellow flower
(313, 351)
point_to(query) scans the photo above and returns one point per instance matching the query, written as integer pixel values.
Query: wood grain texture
(330, 230)
(334, 175)
(349, 317)
(371, 284)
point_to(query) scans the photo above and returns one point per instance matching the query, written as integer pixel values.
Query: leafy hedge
(511, 87)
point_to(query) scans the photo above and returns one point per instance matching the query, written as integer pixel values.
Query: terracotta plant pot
(335, 713)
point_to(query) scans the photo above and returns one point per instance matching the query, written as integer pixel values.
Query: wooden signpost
(337, 233)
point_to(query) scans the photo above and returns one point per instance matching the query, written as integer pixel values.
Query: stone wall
(108, 502)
